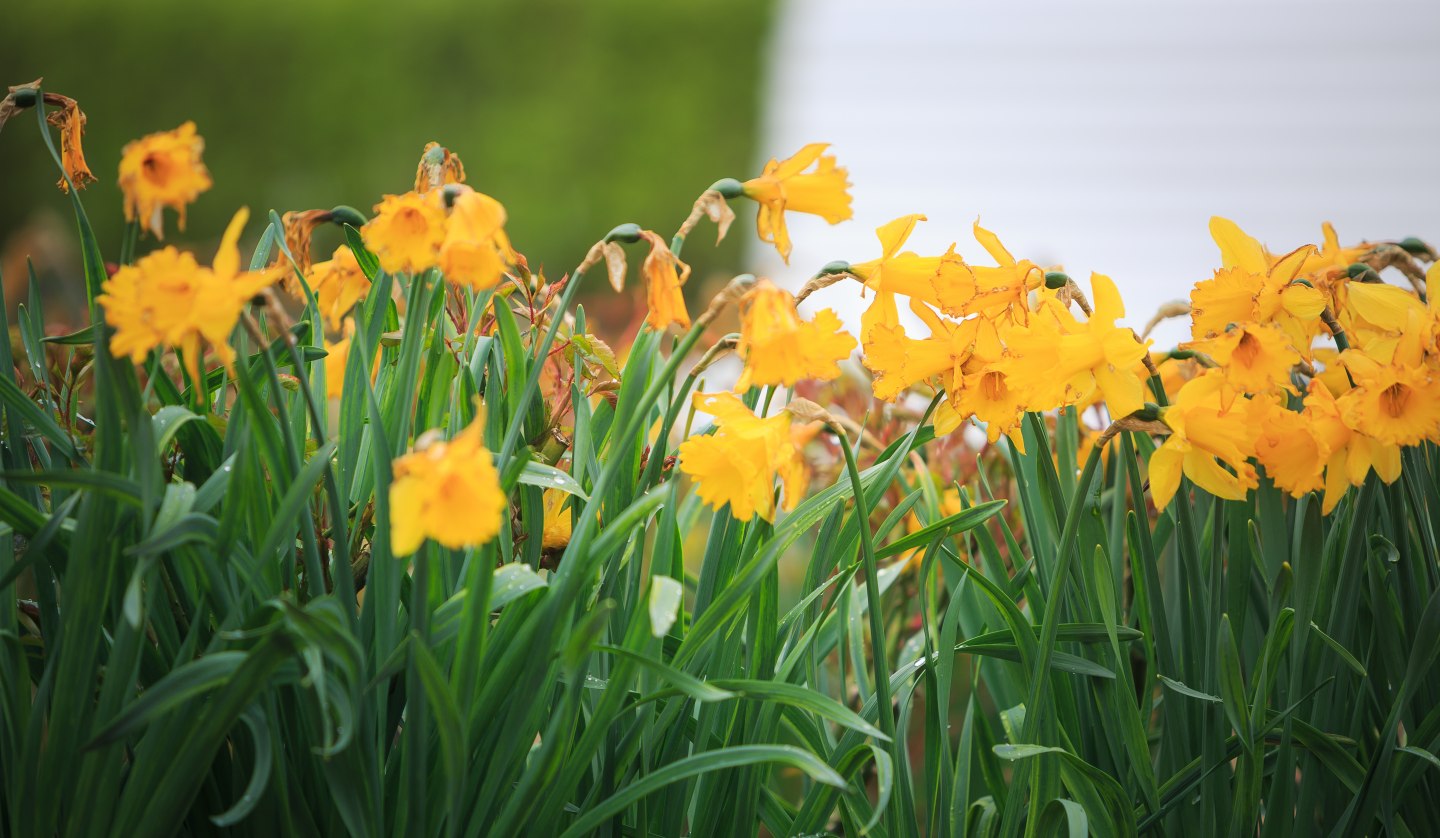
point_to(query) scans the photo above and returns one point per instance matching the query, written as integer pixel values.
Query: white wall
(1104, 135)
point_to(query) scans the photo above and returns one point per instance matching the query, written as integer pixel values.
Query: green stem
(625, 232)
(1040, 671)
(878, 656)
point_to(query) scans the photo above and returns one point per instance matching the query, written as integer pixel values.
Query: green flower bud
(728, 187)
(628, 233)
(347, 215)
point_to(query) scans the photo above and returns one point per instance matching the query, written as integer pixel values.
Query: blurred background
(577, 116)
(1097, 135)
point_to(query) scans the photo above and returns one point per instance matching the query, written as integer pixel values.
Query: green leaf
(1188, 691)
(549, 477)
(182, 684)
(513, 581)
(703, 763)
(946, 527)
(686, 683)
(1232, 684)
(259, 775)
(804, 698)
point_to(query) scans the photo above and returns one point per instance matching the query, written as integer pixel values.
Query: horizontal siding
(1103, 135)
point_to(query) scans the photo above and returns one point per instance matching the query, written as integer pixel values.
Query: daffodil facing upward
(738, 463)
(162, 170)
(407, 231)
(987, 395)
(448, 491)
(1252, 357)
(1254, 287)
(779, 348)
(1396, 405)
(786, 186)
(167, 299)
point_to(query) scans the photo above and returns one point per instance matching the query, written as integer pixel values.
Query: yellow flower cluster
(1258, 322)
(416, 231)
(1000, 341)
(1006, 339)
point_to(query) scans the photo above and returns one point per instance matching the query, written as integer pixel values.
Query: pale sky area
(1104, 135)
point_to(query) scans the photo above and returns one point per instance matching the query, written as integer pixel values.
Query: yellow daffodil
(336, 354)
(1330, 255)
(996, 292)
(299, 228)
(557, 526)
(162, 170)
(1253, 358)
(167, 299)
(779, 348)
(446, 491)
(1378, 318)
(664, 276)
(406, 232)
(897, 272)
(787, 187)
(899, 361)
(1200, 434)
(438, 166)
(986, 395)
(339, 284)
(1353, 455)
(1290, 446)
(71, 122)
(476, 251)
(738, 463)
(1253, 287)
(1056, 360)
(1394, 405)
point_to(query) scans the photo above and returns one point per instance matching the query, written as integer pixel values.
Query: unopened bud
(1361, 272)
(628, 233)
(1416, 247)
(729, 187)
(342, 215)
(1055, 280)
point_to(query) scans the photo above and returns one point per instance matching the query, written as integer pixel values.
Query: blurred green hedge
(576, 115)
